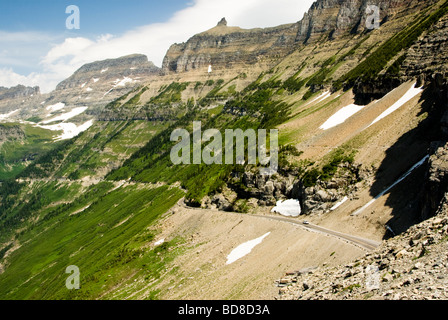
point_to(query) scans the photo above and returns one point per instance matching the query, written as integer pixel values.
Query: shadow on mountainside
(405, 198)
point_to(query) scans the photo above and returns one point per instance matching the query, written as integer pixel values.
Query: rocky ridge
(18, 92)
(335, 17)
(100, 82)
(224, 47)
(428, 57)
(93, 85)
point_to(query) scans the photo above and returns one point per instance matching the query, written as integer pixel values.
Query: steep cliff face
(15, 98)
(334, 17)
(108, 71)
(18, 92)
(225, 47)
(100, 82)
(429, 55)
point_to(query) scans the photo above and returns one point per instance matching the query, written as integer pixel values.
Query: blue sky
(112, 16)
(36, 48)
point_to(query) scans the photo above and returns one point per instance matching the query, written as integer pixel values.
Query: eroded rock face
(18, 92)
(100, 82)
(94, 85)
(226, 47)
(107, 71)
(437, 182)
(428, 57)
(339, 16)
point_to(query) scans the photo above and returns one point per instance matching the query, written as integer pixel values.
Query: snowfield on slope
(65, 116)
(70, 130)
(341, 116)
(122, 83)
(409, 95)
(244, 249)
(340, 203)
(7, 115)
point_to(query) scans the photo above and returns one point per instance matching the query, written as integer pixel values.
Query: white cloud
(154, 40)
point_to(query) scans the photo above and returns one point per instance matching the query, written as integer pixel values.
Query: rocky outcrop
(18, 92)
(427, 59)
(265, 191)
(222, 23)
(321, 197)
(101, 82)
(226, 47)
(133, 67)
(436, 182)
(368, 90)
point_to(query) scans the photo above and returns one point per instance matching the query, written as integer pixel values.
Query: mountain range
(87, 180)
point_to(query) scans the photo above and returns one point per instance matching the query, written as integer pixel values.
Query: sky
(37, 48)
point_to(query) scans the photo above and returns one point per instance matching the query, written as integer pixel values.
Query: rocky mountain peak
(94, 84)
(100, 82)
(19, 91)
(105, 70)
(335, 17)
(222, 23)
(227, 48)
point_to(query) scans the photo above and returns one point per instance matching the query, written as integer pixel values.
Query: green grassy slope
(108, 240)
(16, 154)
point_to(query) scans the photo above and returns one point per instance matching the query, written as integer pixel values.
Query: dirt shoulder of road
(202, 272)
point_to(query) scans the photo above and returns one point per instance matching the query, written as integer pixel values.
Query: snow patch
(124, 82)
(69, 130)
(244, 249)
(288, 208)
(89, 89)
(95, 80)
(417, 165)
(409, 95)
(108, 92)
(340, 203)
(341, 116)
(56, 107)
(7, 115)
(63, 117)
(83, 85)
(104, 70)
(158, 243)
(320, 98)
